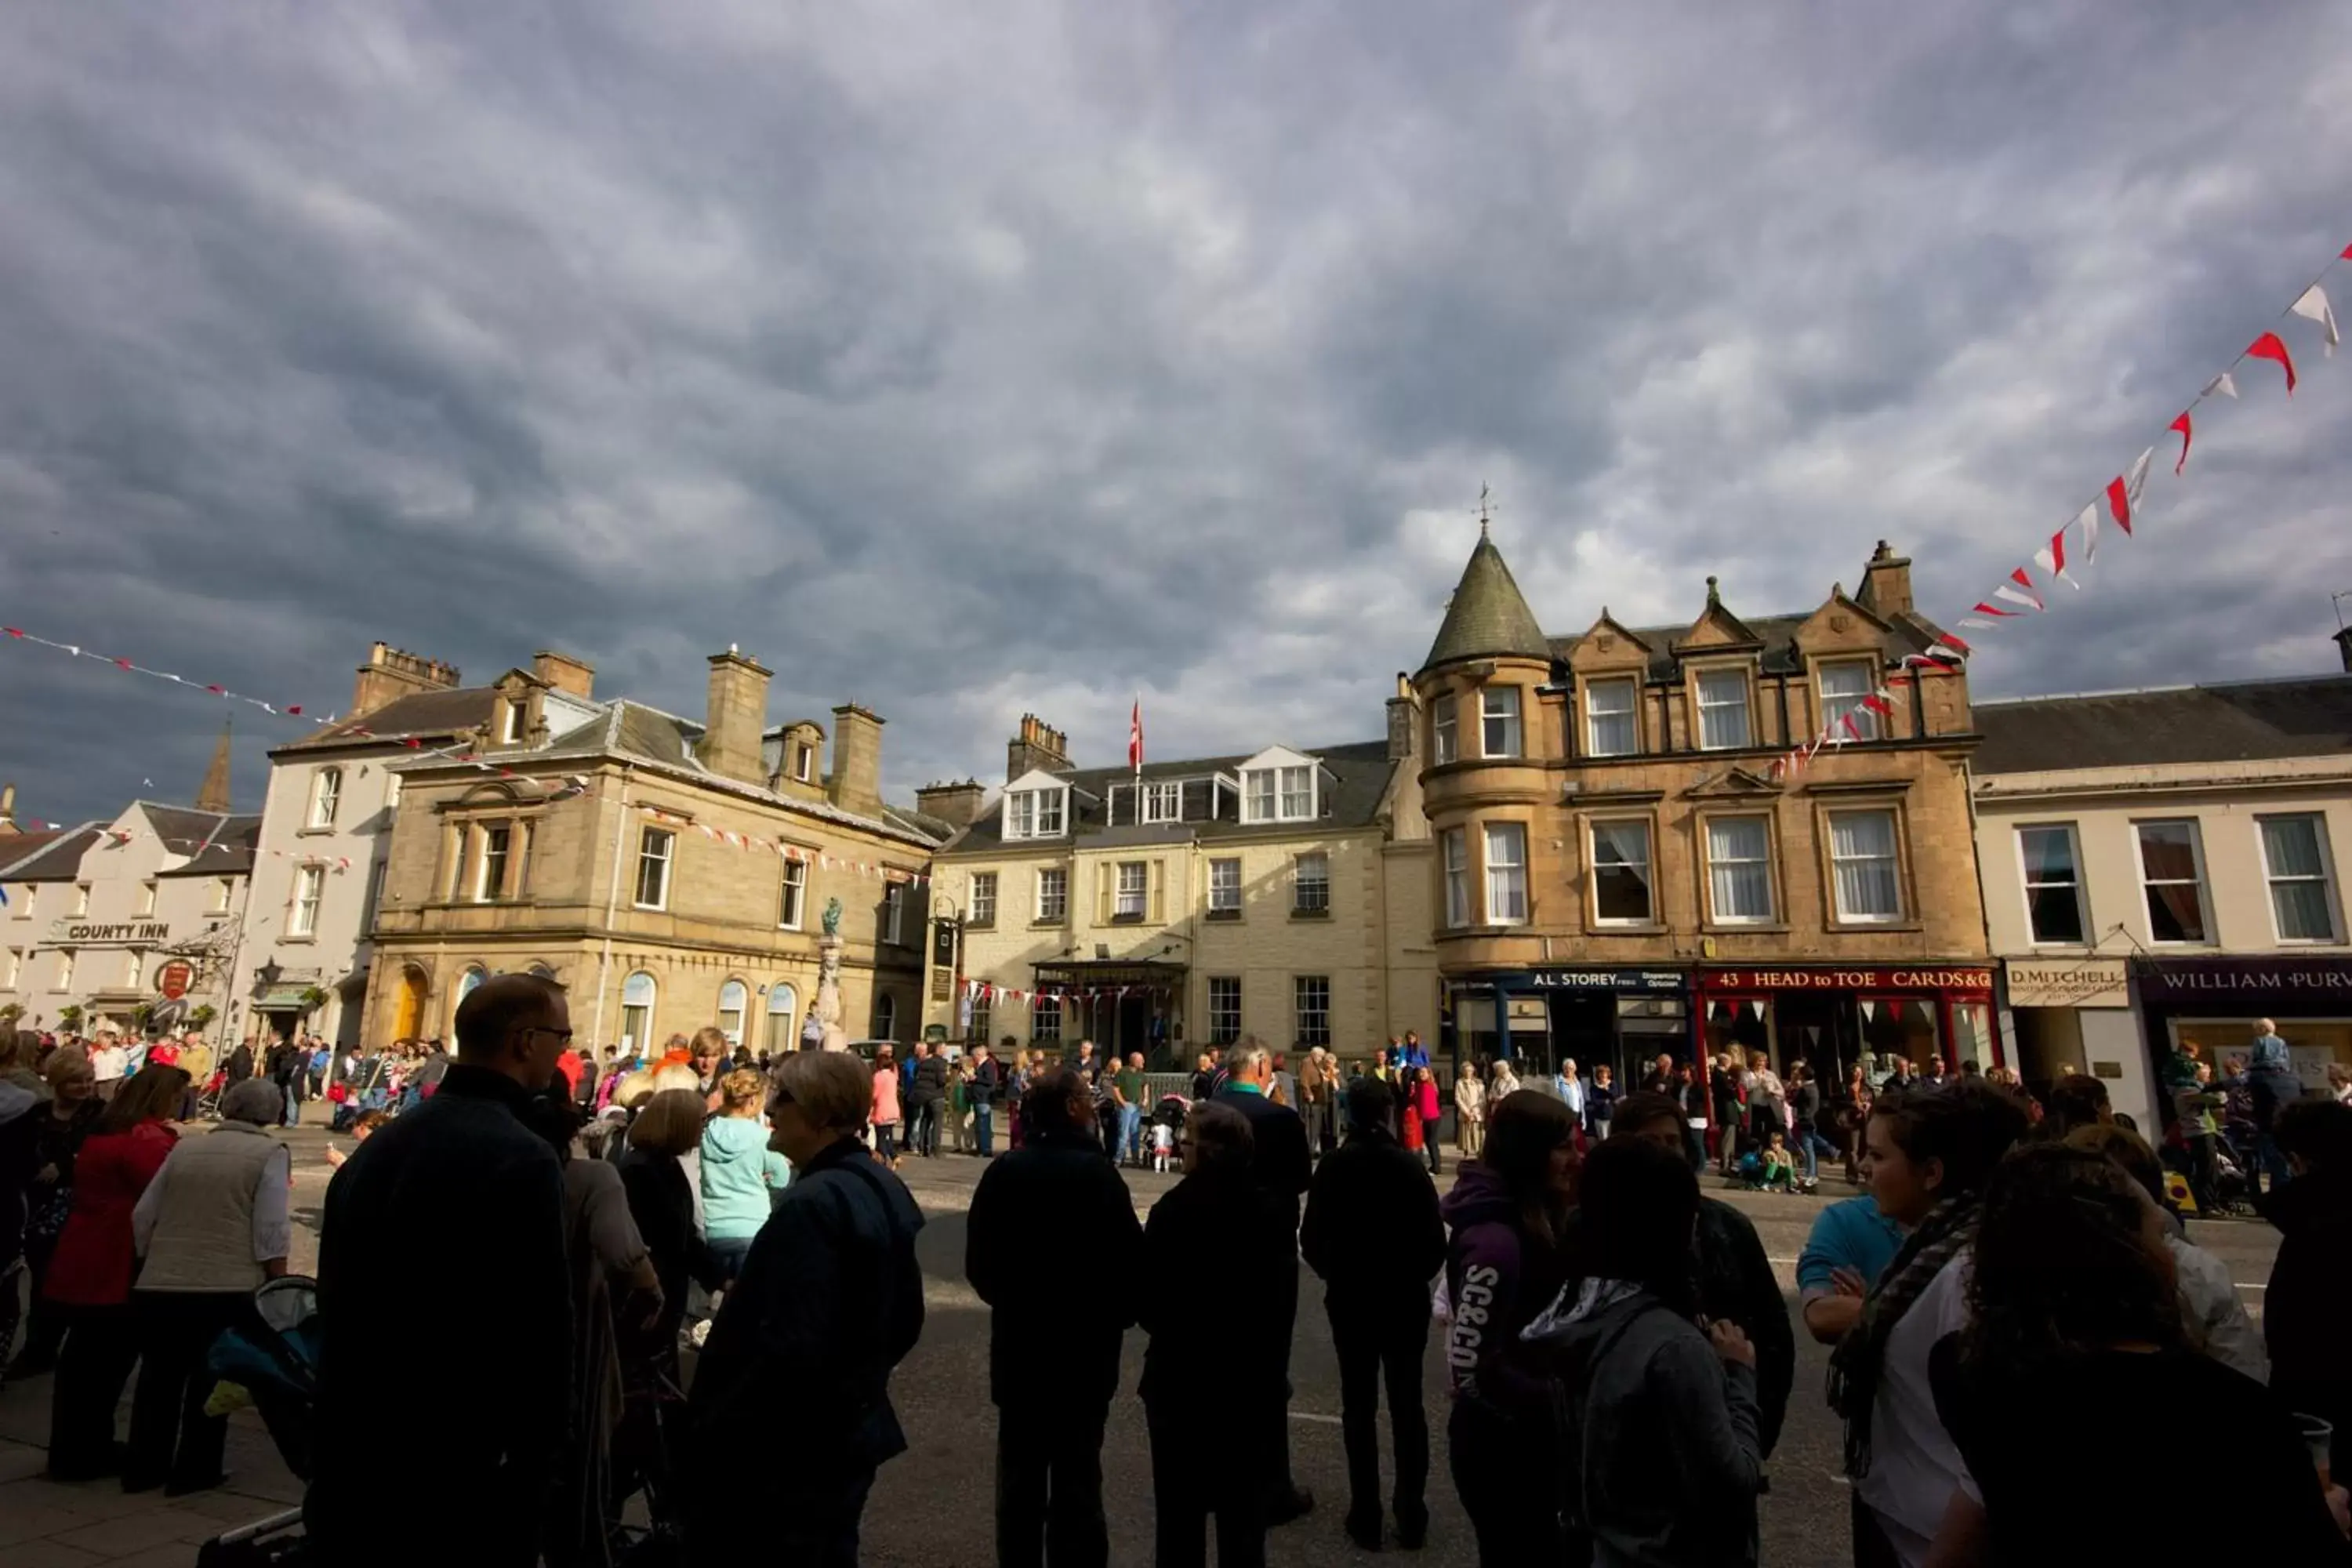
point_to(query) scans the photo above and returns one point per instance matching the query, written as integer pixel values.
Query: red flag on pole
(1135, 736)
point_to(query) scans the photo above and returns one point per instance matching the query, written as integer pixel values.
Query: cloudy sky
(971, 360)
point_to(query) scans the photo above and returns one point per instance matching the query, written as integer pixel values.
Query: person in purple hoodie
(1503, 1267)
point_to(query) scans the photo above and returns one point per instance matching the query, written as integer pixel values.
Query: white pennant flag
(2136, 480)
(2088, 521)
(1869, 1009)
(2313, 306)
(2016, 597)
(1756, 1009)
(2225, 384)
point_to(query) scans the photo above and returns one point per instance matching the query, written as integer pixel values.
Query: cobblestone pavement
(932, 1505)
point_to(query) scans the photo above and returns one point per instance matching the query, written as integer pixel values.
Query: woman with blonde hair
(661, 1200)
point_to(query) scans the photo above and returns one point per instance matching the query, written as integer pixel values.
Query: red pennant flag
(2183, 426)
(297, 711)
(2119, 503)
(2271, 346)
(1983, 608)
(1850, 727)
(122, 664)
(217, 691)
(1946, 640)
(12, 631)
(414, 745)
(1879, 705)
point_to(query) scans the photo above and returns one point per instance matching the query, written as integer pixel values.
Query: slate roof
(632, 732)
(2248, 721)
(1906, 635)
(1488, 617)
(1354, 777)
(53, 855)
(421, 713)
(226, 851)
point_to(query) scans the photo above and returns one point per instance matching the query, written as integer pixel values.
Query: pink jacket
(1426, 1100)
(885, 1096)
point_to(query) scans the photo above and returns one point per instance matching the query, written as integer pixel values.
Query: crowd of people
(1620, 1359)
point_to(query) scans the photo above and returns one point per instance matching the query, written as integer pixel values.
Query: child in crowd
(1163, 1146)
(1779, 1165)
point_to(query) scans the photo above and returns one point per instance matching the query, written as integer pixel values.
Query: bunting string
(2121, 498)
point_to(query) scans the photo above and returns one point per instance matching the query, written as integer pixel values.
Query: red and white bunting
(2271, 346)
(2182, 423)
(129, 666)
(2313, 307)
(2052, 558)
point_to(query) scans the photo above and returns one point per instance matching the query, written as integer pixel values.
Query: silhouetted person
(1373, 1234)
(449, 1221)
(1052, 1245)
(1280, 1166)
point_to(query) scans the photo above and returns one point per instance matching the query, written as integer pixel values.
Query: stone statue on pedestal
(826, 1009)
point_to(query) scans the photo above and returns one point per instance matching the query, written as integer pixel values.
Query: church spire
(213, 796)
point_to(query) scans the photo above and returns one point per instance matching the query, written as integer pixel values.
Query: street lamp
(265, 979)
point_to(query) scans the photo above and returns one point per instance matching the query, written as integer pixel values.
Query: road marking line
(1310, 1416)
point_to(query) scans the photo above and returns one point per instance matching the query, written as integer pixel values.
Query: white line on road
(1311, 1415)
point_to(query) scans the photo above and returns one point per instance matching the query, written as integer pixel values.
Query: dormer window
(1723, 709)
(1035, 813)
(1845, 688)
(803, 760)
(1163, 803)
(1278, 794)
(515, 717)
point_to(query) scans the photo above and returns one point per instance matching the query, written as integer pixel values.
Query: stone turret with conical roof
(1488, 616)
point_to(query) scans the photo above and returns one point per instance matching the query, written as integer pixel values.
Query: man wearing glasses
(448, 1223)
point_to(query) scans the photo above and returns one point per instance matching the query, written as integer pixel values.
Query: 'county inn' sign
(109, 933)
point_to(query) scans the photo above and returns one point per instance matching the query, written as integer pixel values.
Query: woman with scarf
(1929, 1153)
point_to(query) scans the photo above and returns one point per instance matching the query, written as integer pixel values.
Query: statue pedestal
(827, 1008)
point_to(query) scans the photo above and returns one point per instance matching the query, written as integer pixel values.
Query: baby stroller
(273, 1360)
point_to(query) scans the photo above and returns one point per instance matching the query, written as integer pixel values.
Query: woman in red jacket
(90, 1276)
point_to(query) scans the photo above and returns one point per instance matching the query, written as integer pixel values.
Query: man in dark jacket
(1052, 1245)
(929, 1091)
(1280, 1167)
(790, 1416)
(980, 1092)
(2309, 1298)
(447, 1213)
(1373, 1234)
(1734, 1279)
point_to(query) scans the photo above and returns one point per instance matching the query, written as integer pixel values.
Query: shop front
(2068, 1015)
(1619, 1017)
(1832, 1016)
(2216, 1003)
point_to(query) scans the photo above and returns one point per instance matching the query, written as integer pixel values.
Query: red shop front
(1835, 1016)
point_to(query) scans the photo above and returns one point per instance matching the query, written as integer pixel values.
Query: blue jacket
(740, 1177)
(1850, 1234)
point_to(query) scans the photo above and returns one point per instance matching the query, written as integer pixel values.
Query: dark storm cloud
(967, 364)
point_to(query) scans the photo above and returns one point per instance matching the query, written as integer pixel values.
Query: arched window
(784, 1002)
(886, 1016)
(542, 970)
(466, 983)
(637, 1013)
(733, 997)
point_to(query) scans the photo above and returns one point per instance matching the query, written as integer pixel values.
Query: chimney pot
(856, 781)
(574, 677)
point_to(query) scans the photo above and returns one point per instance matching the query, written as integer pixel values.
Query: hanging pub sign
(174, 978)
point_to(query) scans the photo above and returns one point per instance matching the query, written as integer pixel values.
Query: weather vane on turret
(1486, 508)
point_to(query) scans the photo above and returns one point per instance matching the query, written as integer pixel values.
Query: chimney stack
(1404, 732)
(856, 781)
(1038, 745)
(573, 676)
(955, 802)
(737, 713)
(391, 674)
(1885, 584)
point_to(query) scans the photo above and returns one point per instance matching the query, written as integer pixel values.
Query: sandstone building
(671, 872)
(1282, 893)
(1625, 865)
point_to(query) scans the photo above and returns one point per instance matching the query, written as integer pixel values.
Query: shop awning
(283, 999)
